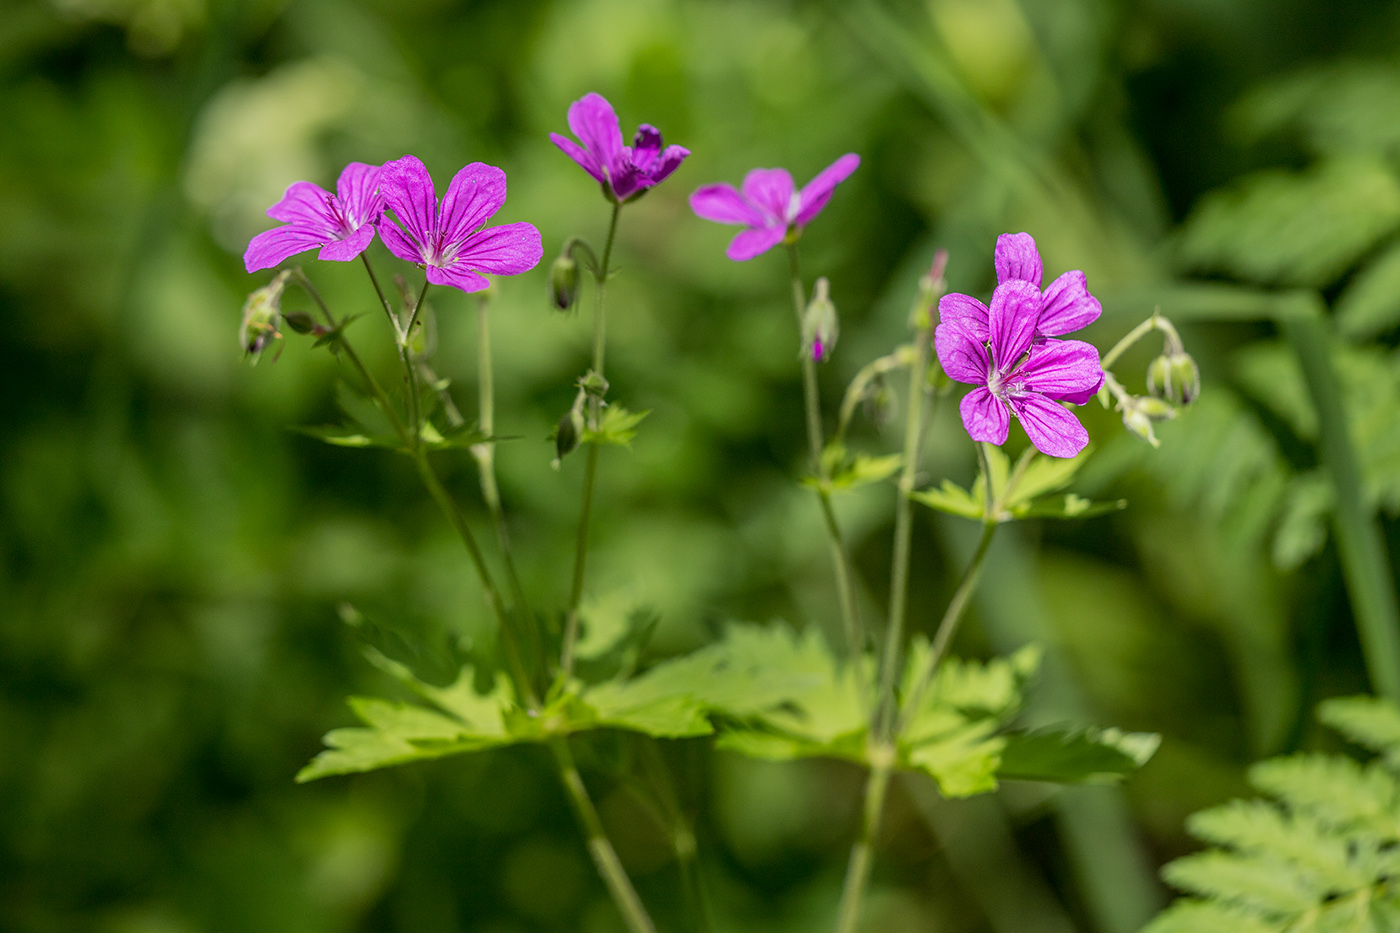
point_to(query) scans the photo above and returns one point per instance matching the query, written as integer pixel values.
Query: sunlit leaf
(1075, 756)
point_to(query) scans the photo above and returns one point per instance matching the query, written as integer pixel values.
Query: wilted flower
(262, 316)
(1065, 306)
(623, 171)
(820, 325)
(1016, 374)
(342, 224)
(450, 238)
(768, 205)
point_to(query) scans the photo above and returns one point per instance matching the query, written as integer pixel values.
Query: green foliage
(618, 426)
(1322, 854)
(1022, 492)
(1370, 305)
(1075, 756)
(852, 473)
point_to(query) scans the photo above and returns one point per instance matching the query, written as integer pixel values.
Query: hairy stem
(590, 472)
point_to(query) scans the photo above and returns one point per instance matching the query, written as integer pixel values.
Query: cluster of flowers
(1006, 350)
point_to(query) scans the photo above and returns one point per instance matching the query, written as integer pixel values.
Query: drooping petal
(724, 205)
(961, 355)
(1053, 430)
(397, 243)
(476, 192)
(1068, 306)
(670, 159)
(1060, 369)
(770, 190)
(1017, 259)
(985, 417)
(965, 312)
(509, 249)
(459, 276)
(754, 242)
(594, 122)
(307, 206)
(357, 189)
(1011, 321)
(270, 247)
(347, 248)
(646, 146)
(409, 193)
(580, 155)
(818, 191)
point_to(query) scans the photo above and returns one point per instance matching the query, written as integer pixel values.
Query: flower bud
(1140, 412)
(1138, 423)
(563, 282)
(594, 384)
(820, 325)
(1174, 377)
(262, 314)
(300, 321)
(567, 433)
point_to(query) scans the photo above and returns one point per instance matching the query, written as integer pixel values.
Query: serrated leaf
(1337, 791)
(864, 470)
(1044, 475)
(1370, 305)
(1069, 505)
(951, 498)
(1075, 756)
(1261, 884)
(1193, 916)
(618, 426)
(462, 437)
(350, 437)
(650, 704)
(1368, 721)
(1302, 525)
(963, 762)
(1256, 826)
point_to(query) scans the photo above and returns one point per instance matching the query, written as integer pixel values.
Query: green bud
(1139, 414)
(300, 321)
(1175, 377)
(594, 384)
(567, 434)
(563, 283)
(1155, 408)
(262, 314)
(820, 325)
(1140, 424)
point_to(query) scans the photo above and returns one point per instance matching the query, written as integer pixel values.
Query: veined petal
(1054, 431)
(1059, 369)
(594, 122)
(961, 354)
(509, 249)
(397, 243)
(646, 146)
(1011, 321)
(347, 248)
(580, 155)
(626, 179)
(670, 159)
(1068, 306)
(357, 189)
(724, 205)
(270, 247)
(754, 242)
(1018, 259)
(408, 192)
(458, 276)
(965, 312)
(985, 417)
(307, 206)
(476, 192)
(1080, 397)
(818, 191)
(770, 190)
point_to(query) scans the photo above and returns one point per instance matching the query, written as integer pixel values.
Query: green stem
(1360, 543)
(590, 472)
(599, 847)
(388, 308)
(863, 852)
(840, 559)
(410, 373)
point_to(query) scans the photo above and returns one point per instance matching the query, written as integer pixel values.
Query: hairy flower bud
(567, 433)
(1140, 413)
(262, 315)
(563, 282)
(1174, 377)
(820, 325)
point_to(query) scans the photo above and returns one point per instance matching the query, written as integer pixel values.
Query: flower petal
(670, 159)
(1011, 321)
(408, 192)
(1053, 430)
(1017, 258)
(1082, 396)
(627, 179)
(724, 205)
(476, 192)
(1061, 369)
(1068, 306)
(646, 146)
(580, 155)
(818, 191)
(594, 122)
(754, 242)
(965, 312)
(270, 247)
(307, 206)
(397, 243)
(961, 354)
(509, 249)
(985, 416)
(357, 189)
(770, 190)
(458, 276)
(347, 248)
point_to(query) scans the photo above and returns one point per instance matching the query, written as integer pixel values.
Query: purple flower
(1017, 374)
(451, 239)
(768, 206)
(342, 224)
(623, 171)
(1066, 306)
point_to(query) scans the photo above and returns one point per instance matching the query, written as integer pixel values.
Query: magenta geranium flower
(451, 239)
(1066, 306)
(768, 206)
(623, 171)
(1018, 374)
(342, 224)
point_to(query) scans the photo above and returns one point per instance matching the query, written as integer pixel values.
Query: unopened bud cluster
(1175, 377)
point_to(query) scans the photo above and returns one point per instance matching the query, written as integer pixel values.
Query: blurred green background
(173, 554)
